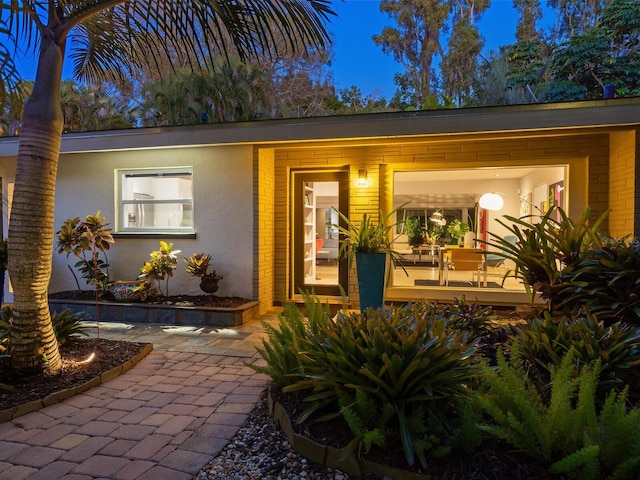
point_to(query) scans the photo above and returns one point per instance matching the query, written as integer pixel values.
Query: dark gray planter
(159, 313)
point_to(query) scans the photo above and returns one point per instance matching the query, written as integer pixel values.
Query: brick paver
(162, 420)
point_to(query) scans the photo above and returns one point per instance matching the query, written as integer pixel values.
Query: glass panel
(321, 239)
(437, 199)
(153, 200)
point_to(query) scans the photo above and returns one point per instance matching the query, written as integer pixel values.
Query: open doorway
(317, 198)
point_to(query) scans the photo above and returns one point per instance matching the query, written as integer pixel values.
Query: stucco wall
(223, 213)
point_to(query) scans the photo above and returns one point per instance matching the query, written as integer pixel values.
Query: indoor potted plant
(458, 229)
(415, 230)
(369, 244)
(198, 265)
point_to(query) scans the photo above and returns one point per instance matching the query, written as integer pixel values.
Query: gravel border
(261, 451)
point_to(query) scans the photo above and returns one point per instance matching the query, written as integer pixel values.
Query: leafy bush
(161, 266)
(565, 431)
(6, 313)
(280, 348)
(543, 249)
(606, 282)
(86, 239)
(409, 365)
(460, 314)
(67, 324)
(544, 342)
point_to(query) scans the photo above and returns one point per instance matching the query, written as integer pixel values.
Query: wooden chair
(467, 260)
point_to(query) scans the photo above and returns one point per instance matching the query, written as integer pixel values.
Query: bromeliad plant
(412, 368)
(543, 249)
(606, 282)
(543, 343)
(161, 266)
(87, 239)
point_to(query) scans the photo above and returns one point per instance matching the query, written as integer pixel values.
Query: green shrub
(544, 342)
(460, 315)
(606, 282)
(564, 431)
(67, 324)
(280, 348)
(6, 313)
(409, 365)
(544, 248)
(161, 266)
(86, 239)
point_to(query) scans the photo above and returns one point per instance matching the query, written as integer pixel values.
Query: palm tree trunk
(34, 347)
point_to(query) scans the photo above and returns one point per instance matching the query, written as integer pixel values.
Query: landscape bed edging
(160, 313)
(332, 456)
(56, 397)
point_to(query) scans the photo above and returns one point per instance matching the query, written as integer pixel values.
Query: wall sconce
(363, 181)
(491, 201)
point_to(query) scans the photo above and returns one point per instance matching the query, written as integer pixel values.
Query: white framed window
(154, 200)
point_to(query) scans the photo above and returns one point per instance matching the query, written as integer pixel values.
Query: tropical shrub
(605, 282)
(460, 314)
(543, 343)
(6, 314)
(86, 240)
(544, 248)
(161, 266)
(67, 324)
(411, 367)
(565, 430)
(472, 318)
(280, 348)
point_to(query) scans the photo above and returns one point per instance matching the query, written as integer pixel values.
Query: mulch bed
(196, 300)
(108, 355)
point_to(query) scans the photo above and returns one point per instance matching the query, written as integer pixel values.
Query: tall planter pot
(371, 271)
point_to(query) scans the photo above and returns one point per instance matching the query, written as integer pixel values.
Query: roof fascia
(466, 121)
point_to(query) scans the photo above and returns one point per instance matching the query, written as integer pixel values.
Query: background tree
(90, 109)
(608, 53)
(232, 90)
(577, 17)
(465, 44)
(529, 14)
(415, 41)
(109, 36)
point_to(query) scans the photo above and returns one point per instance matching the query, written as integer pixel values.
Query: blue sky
(358, 61)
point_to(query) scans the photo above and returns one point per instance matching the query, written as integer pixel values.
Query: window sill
(162, 235)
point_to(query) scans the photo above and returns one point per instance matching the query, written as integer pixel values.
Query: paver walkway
(162, 420)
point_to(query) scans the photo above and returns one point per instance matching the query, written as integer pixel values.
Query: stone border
(331, 456)
(160, 313)
(56, 397)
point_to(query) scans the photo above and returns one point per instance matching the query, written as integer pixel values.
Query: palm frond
(140, 32)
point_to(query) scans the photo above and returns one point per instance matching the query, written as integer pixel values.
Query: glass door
(318, 196)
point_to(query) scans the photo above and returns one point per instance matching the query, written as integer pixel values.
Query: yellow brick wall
(424, 155)
(623, 193)
(264, 197)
